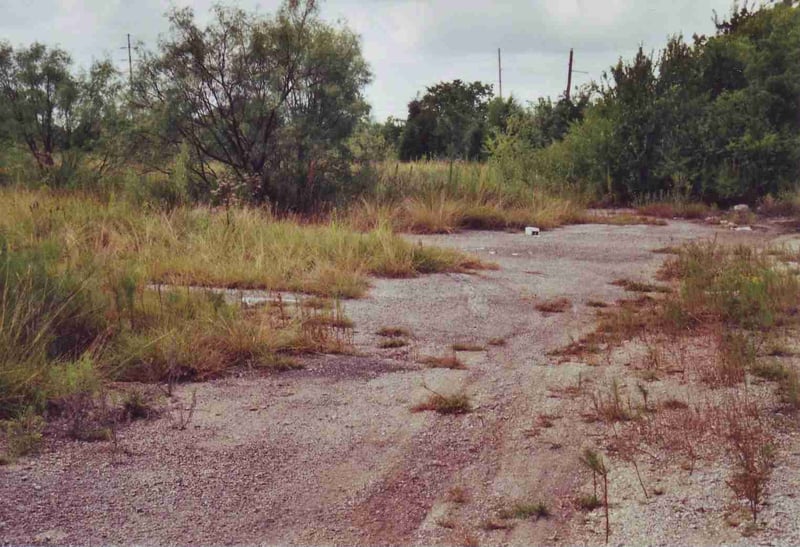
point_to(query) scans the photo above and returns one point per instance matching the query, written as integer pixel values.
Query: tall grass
(442, 197)
(82, 295)
(235, 248)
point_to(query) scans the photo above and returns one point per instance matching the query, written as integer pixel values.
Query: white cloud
(410, 44)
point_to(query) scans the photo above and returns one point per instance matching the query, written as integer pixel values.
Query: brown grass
(445, 404)
(555, 305)
(445, 361)
(392, 343)
(676, 209)
(638, 286)
(394, 332)
(468, 347)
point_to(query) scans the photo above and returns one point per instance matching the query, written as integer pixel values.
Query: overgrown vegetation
(718, 329)
(93, 290)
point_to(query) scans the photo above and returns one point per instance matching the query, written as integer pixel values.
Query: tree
(273, 100)
(38, 97)
(449, 121)
(56, 114)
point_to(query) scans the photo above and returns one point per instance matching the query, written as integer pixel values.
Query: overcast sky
(409, 44)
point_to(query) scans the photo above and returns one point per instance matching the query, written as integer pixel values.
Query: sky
(409, 44)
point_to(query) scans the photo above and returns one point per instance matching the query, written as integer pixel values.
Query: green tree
(39, 95)
(449, 121)
(271, 99)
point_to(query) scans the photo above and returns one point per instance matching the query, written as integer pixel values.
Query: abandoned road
(332, 453)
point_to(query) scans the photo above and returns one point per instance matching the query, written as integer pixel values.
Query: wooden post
(569, 74)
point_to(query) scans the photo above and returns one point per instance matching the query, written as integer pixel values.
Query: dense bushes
(715, 120)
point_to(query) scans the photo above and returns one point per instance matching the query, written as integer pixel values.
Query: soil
(333, 454)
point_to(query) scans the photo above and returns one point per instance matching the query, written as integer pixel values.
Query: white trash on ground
(531, 231)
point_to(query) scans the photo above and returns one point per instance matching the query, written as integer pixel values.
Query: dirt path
(332, 454)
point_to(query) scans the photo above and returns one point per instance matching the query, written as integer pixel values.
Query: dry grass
(467, 347)
(638, 286)
(392, 343)
(239, 248)
(445, 404)
(99, 282)
(394, 332)
(555, 305)
(458, 495)
(446, 361)
(497, 341)
(444, 197)
(525, 510)
(676, 209)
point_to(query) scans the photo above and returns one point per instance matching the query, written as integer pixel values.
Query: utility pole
(569, 74)
(499, 73)
(130, 61)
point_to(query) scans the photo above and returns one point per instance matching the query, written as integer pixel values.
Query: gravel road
(332, 454)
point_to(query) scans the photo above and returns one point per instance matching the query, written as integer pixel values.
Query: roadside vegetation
(723, 332)
(128, 203)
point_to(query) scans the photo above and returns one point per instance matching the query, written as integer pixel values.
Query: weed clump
(556, 305)
(445, 404)
(525, 510)
(468, 347)
(392, 343)
(447, 361)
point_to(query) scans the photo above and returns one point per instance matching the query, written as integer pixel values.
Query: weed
(610, 407)
(392, 343)
(458, 494)
(638, 286)
(446, 361)
(753, 452)
(497, 342)
(596, 304)
(588, 502)
(491, 524)
(137, 404)
(445, 404)
(674, 404)
(769, 370)
(446, 522)
(24, 434)
(394, 332)
(183, 415)
(556, 305)
(468, 347)
(789, 389)
(736, 353)
(593, 461)
(667, 250)
(525, 510)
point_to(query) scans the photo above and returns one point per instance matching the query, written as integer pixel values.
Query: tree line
(271, 109)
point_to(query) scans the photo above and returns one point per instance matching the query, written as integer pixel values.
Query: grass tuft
(556, 305)
(445, 404)
(447, 361)
(468, 347)
(394, 332)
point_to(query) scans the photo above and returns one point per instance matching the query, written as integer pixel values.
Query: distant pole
(569, 74)
(499, 73)
(130, 62)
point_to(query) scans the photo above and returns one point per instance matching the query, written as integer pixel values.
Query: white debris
(531, 231)
(743, 229)
(741, 208)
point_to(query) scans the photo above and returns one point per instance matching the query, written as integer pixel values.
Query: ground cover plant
(719, 329)
(95, 290)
